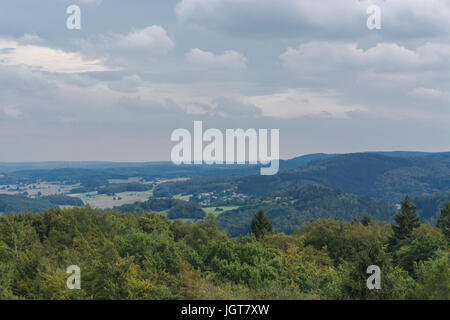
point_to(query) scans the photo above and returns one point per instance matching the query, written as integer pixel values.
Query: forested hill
(429, 205)
(20, 203)
(370, 174)
(293, 207)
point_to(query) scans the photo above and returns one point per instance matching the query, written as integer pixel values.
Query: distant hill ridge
(306, 159)
(9, 167)
(371, 174)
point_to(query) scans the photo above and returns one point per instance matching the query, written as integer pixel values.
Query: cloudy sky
(138, 69)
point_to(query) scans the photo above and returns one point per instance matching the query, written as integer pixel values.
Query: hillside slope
(297, 205)
(374, 175)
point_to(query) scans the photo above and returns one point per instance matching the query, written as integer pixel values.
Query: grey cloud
(228, 59)
(117, 49)
(383, 57)
(326, 18)
(232, 107)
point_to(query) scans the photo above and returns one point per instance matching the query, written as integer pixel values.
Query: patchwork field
(103, 201)
(44, 189)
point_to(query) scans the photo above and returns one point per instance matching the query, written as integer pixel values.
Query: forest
(176, 209)
(22, 203)
(148, 256)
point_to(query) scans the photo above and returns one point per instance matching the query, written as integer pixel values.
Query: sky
(116, 89)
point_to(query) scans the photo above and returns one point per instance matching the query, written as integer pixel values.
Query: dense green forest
(111, 189)
(130, 256)
(429, 205)
(373, 175)
(176, 209)
(21, 203)
(63, 200)
(297, 205)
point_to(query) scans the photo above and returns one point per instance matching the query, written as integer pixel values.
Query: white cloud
(153, 38)
(94, 55)
(46, 59)
(228, 59)
(302, 102)
(12, 112)
(136, 50)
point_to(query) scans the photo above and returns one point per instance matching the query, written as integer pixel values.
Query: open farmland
(37, 189)
(103, 201)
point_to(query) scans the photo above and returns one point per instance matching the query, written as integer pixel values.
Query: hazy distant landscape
(308, 187)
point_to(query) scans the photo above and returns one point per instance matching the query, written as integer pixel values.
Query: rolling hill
(297, 205)
(379, 176)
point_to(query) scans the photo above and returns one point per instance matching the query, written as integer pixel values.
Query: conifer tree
(366, 219)
(260, 225)
(443, 222)
(406, 221)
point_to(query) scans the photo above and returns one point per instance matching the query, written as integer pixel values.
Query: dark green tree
(366, 219)
(443, 222)
(260, 225)
(406, 221)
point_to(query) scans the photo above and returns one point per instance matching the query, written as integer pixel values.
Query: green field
(181, 197)
(164, 212)
(103, 201)
(216, 213)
